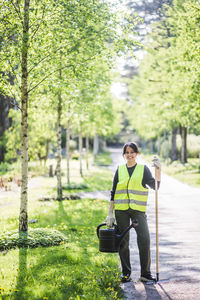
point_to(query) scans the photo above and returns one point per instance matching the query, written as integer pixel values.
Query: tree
(165, 88)
(31, 53)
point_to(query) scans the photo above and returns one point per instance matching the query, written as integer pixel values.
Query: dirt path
(179, 243)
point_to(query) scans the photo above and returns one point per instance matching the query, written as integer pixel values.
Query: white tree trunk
(68, 151)
(80, 151)
(183, 132)
(23, 217)
(87, 151)
(95, 145)
(174, 147)
(59, 154)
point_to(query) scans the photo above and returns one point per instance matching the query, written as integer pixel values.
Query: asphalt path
(179, 242)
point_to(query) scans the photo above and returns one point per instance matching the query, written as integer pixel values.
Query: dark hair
(134, 146)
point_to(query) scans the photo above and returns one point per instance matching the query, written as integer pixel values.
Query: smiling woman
(129, 197)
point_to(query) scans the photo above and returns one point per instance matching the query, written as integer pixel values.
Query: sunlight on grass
(75, 269)
(61, 270)
(103, 159)
(188, 173)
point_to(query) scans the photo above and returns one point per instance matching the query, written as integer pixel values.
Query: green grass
(74, 269)
(188, 173)
(103, 159)
(35, 237)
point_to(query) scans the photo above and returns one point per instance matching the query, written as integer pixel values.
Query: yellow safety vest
(130, 192)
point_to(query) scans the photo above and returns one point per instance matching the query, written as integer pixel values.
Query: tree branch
(59, 69)
(50, 75)
(17, 11)
(69, 51)
(42, 59)
(38, 26)
(18, 7)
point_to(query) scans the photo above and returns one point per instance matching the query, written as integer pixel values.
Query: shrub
(75, 155)
(35, 237)
(76, 186)
(3, 167)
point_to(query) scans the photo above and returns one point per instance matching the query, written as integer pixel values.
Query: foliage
(12, 137)
(62, 59)
(41, 133)
(60, 53)
(36, 237)
(165, 92)
(3, 168)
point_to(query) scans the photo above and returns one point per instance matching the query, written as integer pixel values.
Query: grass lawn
(188, 173)
(72, 270)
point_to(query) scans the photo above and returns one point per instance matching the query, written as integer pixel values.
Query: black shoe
(147, 278)
(126, 278)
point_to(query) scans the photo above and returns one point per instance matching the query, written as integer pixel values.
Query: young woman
(129, 201)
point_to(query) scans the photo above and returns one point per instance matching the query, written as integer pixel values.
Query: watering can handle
(134, 223)
(103, 224)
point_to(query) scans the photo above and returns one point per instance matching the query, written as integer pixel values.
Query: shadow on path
(165, 293)
(179, 243)
(141, 291)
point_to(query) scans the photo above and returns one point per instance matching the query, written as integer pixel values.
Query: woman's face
(130, 155)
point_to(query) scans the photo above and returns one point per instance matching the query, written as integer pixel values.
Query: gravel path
(179, 243)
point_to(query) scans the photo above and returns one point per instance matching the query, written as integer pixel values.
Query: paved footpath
(179, 243)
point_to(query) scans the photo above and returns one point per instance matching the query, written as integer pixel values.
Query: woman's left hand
(156, 162)
(110, 220)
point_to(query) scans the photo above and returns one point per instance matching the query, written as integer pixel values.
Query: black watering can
(110, 239)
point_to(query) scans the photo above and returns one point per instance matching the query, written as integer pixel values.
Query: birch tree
(23, 217)
(30, 53)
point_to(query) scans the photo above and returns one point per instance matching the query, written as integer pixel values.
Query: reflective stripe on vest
(130, 191)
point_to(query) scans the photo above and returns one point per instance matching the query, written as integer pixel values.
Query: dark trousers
(123, 218)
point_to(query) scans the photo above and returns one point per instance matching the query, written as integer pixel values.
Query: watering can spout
(122, 235)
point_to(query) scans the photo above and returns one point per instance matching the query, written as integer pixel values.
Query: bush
(76, 186)
(75, 155)
(3, 167)
(36, 237)
(72, 145)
